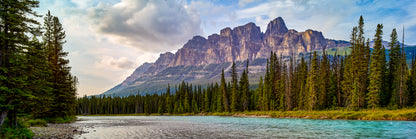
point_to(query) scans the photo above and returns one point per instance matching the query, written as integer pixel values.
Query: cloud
(243, 3)
(213, 16)
(115, 63)
(152, 26)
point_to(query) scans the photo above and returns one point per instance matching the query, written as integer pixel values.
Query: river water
(115, 127)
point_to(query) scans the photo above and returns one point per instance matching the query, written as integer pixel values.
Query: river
(236, 127)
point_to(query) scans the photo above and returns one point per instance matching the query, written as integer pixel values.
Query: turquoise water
(235, 127)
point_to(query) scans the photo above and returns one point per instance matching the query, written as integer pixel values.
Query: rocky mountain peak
(226, 32)
(164, 58)
(197, 42)
(276, 26)
(248, 32)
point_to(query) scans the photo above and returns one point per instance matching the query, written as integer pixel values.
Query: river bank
(378, 114)
(56, 131)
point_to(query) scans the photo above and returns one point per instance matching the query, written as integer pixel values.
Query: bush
(19, 132)
(37, 122)
(61, 120)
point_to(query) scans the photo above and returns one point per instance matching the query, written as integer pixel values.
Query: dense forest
(35, 79)
(364, 79)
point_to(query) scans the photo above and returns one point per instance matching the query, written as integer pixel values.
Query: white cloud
(116, 63)
(152, 26)
(243, 3)
(214, 17)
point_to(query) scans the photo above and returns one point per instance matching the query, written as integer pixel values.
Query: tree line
(363, 79)
(35, 79)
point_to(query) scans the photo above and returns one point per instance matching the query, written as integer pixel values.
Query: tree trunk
(4, 114)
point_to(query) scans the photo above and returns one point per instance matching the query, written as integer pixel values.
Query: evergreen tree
(187, 107)
(402, 77)
(393, 75)
(38, 72)
(224, 93)
(244, 91)
(195, 108)
(206, 101)
(234, 92)
(323, 82)
(312, 83)
(15, 26)
(376, 70)
(64, 93)
(219, 94)
(169, 107)
(412, 82)
(261, 99)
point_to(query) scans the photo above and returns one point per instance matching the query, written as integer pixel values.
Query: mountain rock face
(200, 56)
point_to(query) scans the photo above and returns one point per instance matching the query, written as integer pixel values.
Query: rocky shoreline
(56, 131)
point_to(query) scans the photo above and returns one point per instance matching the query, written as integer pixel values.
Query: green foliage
(16, 132)
(37, 122)
(376, 71)
(66, 119)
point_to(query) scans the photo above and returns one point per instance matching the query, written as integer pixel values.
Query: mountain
(201, 59)
(386, 44)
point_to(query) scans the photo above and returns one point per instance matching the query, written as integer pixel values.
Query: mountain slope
(201, 59)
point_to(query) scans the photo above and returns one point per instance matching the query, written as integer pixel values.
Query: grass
(37, 122)
(366, 114)
(61, 119)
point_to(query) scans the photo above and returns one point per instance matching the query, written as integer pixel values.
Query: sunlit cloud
(151, 26)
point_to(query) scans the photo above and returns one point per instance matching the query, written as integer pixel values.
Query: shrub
(37, 122)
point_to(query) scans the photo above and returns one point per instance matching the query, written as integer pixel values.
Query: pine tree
(186, 105)
(393, 69)
(234, 93)
(376, 70)
(244, 91)
(195, 108)
(412, 82)
(224, 92)
(402, 77)
(312, 84)
(15, 26)
(323, 82)
(261, 99)
(64, 93)
(38, 72)
(216, 89)
(168, 100)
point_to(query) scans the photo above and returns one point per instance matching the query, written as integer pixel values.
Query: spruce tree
(224, 92)
(234, 93)
(402, 77)
(64, 93)
(261, 99)
(412, 82)
(376, 70)
(38, 72)
(312, 84)
(15, 26)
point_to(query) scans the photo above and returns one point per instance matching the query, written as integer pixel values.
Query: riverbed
(237, 127)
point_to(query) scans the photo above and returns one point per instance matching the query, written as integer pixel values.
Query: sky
(108, 39)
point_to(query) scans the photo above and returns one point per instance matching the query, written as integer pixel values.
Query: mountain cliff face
(203, 58)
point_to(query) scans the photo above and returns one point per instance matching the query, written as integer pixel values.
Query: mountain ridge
(201, 56)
